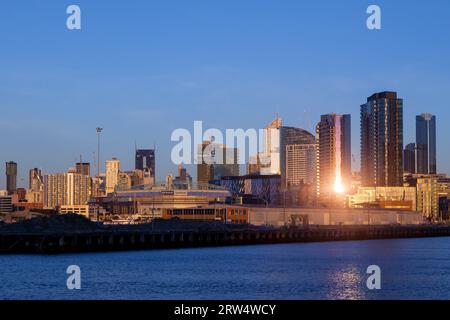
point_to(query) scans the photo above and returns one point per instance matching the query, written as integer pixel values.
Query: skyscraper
(274, 159)
(35, 180)
(290, 136)
(11, 177)
(426, 143)
(382, 140)
(270, 159)
(112, 174)
(145, 161)
(409, 158)
(333, 134)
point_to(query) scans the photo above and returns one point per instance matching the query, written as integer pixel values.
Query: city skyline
(53, 95)
(151, 153)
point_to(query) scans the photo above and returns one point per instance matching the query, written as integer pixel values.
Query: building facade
(399, 198)
(215, 161)
(83, 168)
(63, 189)
(112, 174)
(145, 160)
(333, 134)
(426, 143)
(6, 204)
(409, 158)
(427, 196)
(382, 140)
(11, 177)
(35, 180)
(270, 159)
(300, 143)
(300, 164)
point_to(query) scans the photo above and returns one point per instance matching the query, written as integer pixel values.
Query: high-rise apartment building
(290, 136)
(300, 164)
(409, 158)
(427, 196)
(112, 174)
(62, 189)
(333, 134)
(426, 144)
(382, 140)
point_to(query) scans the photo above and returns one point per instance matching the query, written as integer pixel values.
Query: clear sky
(141, 69)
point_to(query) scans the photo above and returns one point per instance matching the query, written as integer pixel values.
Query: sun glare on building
(338, 186)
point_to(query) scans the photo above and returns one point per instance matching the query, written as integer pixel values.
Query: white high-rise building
(270, 158)
(112, 174)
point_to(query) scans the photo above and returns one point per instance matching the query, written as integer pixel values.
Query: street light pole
(99, 131)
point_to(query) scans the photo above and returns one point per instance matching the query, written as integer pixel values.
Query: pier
(123, 240)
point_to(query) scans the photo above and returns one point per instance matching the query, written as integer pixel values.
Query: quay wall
(53, 243)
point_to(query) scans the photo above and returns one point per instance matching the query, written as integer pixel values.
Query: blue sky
(141, 69)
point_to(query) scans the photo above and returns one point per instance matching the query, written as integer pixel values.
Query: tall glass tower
(426, 143)
(382, 140)
(409, 158)
(334, 169)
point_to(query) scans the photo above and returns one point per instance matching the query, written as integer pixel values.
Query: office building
(409, 159)
(86, 210)
(333, 134)
(426, 143)
(112, 174)
(146, 162)
(183, 180)
(11, 177)
(382, 140)
(216, 161)
(6, 204)
(83, 168)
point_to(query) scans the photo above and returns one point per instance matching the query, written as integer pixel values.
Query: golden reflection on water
(348, 284)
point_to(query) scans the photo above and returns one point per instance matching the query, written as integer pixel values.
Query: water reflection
(348, 284)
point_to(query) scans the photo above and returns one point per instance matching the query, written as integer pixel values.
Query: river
(410, 269)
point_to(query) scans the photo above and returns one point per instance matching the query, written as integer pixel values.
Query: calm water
(411, 268)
